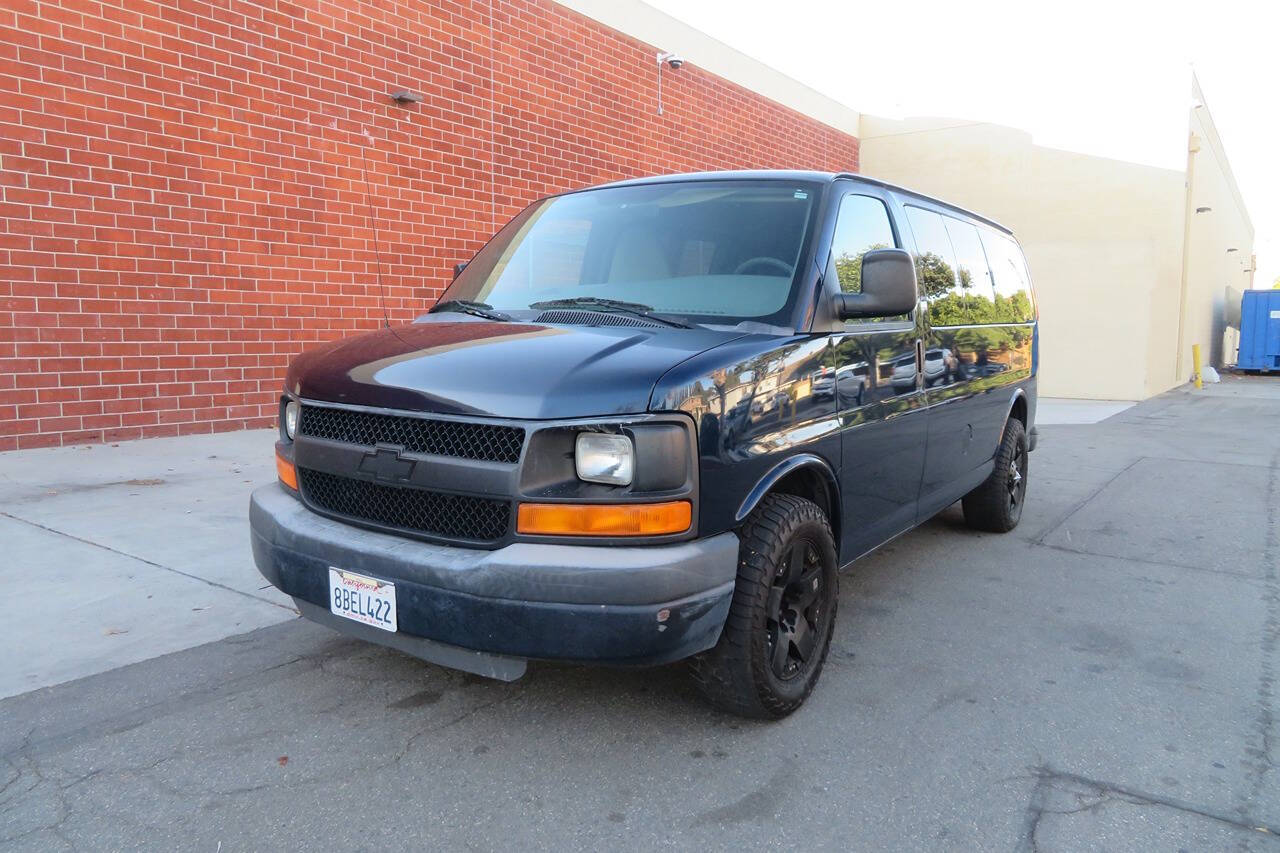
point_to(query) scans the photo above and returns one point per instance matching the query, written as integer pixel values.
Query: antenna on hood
(377, 253)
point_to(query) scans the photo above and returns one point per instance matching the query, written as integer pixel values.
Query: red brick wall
(183, 207)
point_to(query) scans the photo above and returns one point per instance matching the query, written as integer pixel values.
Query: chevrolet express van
(622, 435)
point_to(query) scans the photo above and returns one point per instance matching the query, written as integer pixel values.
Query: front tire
(776, 637)
(996, 505)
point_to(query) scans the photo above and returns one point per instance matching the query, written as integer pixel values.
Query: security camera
(675, 60)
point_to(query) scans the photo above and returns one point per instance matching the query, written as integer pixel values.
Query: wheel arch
(1018, 408)
(804, 475)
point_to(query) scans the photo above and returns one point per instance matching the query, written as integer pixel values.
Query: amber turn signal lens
(604, 519)
(287, 472)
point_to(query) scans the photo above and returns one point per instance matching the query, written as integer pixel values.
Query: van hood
(499, 369)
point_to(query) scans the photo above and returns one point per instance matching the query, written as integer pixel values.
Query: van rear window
(1009, 274)
(971, 276)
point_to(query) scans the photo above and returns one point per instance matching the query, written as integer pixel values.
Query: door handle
(919, 359)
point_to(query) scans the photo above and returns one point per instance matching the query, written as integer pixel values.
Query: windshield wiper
(466, 306)
(613, 306)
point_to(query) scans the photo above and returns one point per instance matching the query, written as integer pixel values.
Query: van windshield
(713, 252)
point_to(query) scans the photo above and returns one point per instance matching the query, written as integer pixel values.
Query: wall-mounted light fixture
(674, 60)
(404, 96)
(1203, 209)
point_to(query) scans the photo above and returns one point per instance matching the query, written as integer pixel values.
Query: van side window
(1012, 283)
(935, 259)
(975, 299)
(861, 225)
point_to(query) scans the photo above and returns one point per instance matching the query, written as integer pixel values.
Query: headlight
(291, 412)
(604, 458)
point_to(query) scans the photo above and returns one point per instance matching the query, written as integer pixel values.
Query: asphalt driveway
(1103, 677)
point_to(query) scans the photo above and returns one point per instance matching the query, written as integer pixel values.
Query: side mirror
(888, 286)
(458, 268)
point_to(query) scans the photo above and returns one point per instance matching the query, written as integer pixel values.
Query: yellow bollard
(1195, 365)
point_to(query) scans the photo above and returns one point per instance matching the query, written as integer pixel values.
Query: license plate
(363, 599)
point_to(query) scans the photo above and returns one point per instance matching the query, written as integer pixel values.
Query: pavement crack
(151, 563)
(1164, 564)
(470, 712)
(248, 789)
(59, 799)
(92, 774)
(1035, 812)
(20, 753)
(1049, 779)
(12, 780)
(1081, 504)
(283, 664)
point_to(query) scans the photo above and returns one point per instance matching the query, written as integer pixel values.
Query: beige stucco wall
(1211, 269)
(1103, 239)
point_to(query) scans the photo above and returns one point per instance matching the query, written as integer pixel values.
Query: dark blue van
(652, 421)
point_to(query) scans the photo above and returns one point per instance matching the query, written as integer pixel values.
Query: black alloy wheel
(795, 610)
(997, 504)
(1017, 480)
(780, 622)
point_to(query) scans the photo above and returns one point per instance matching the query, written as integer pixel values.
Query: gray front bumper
(633, 605)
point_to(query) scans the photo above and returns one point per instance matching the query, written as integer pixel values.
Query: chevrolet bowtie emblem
(387, 464)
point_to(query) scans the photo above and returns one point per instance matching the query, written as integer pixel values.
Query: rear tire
(776, 637)
(996, 505)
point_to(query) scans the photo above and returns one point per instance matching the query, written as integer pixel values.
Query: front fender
(790, 465)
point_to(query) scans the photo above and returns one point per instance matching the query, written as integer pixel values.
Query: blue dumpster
(1260, 330)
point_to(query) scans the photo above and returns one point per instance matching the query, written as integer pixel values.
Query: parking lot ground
(1104, 677)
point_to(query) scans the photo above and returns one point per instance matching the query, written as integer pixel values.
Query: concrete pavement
(1103, 677)
(1054, 411)
(136, 550)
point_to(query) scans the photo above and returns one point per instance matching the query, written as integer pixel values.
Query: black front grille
(489, 442)
(412, 510)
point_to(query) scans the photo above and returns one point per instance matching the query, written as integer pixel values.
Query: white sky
(1104, 78)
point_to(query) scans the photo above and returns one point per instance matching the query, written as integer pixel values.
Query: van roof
(803, 175)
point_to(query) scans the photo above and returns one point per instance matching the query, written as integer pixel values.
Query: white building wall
(1102, 237)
